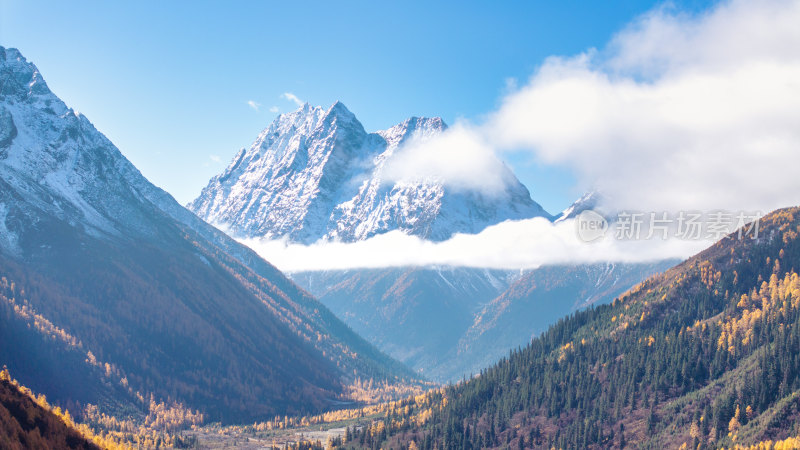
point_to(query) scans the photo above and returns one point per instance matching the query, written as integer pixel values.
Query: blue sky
(169, 82)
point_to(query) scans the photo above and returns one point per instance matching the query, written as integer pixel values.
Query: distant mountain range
(415, 314)
(114, 294)
(448, 322)
(317, 174)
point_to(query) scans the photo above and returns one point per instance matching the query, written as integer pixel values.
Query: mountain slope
(24, 424)
(448, 323)
(316, 173)
(146, 297)
(536, 300)
(702, 355)
(416, 315)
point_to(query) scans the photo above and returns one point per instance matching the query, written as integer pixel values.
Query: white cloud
(292, 98)
(458, 157)
(677, 112)
(273, 109)
(253, 104)
(523, 244)
(215, 158)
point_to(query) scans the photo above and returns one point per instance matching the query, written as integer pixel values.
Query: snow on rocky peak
(55, 165)
(589, 200)
(316, 174)
(52, 158)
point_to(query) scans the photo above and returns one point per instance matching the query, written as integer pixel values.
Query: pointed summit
(339, 114)
(589, 200)
(20, 79)
(307, 118)
(339, 108)
(421, 127)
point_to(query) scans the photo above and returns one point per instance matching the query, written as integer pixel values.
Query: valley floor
(245, 437)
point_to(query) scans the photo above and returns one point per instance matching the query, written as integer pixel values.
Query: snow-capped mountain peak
(589, 200)
(420, 127)
(64, 161)
(54, 163)
(316, 174)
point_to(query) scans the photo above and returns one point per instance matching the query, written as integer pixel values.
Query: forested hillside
(706, 354)
(25, 424)
(488, 312)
